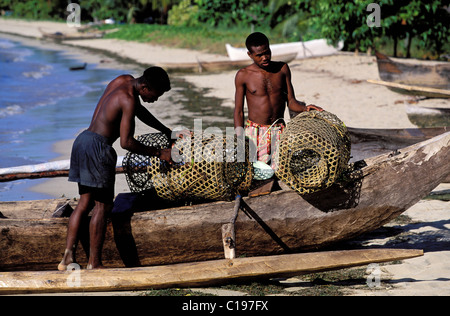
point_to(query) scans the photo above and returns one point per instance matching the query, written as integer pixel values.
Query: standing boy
(267, 87)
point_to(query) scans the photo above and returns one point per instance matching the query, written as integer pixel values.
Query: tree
(342, 20)
(428, 21)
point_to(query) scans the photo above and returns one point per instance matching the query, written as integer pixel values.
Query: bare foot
(66, 260)
(91, 267)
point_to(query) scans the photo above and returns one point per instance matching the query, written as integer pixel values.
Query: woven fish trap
(210, 168)
(314, 151)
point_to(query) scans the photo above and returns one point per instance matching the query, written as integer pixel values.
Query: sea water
(42, 102)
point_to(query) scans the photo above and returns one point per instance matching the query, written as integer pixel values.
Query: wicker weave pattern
(211, 168)
(314, 150)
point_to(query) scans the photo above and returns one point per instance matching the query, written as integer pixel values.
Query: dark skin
(113, 117)
(267, 87)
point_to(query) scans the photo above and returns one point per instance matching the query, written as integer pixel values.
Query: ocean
(41, 102)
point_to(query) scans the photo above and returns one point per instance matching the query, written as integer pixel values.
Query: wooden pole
(205, 273)
(432, 91)
(229, 232)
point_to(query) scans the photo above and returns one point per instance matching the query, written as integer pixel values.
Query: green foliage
(400, 19)
(229, 13)
(184, 14)
(411, 24)
(35, 9)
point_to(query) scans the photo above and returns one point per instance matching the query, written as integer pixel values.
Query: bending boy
(93, 160)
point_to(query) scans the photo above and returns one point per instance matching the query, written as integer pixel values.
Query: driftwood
(376, 191)
(205, 273)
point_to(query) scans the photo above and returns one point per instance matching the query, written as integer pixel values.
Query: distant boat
(415, 78)
(59, 36)
(82, 67)
(313, 48)
(215, 66)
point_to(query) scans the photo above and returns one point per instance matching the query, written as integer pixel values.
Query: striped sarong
(265, 139)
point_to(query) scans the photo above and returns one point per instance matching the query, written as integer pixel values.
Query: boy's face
(150, 95)
(261, 55)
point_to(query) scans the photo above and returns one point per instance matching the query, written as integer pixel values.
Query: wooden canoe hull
(281, 222)
(206, 273)
(424, 75)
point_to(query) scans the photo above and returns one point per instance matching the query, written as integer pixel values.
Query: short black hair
(156, 78)
(256, 39)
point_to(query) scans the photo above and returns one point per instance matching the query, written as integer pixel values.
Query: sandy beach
(336, 83)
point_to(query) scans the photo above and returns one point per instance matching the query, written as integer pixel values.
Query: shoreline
(338, 84)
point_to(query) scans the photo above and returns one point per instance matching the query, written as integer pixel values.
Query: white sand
(336, 83)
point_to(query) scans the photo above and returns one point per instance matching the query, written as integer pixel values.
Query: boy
(93, 160)
(267, 86)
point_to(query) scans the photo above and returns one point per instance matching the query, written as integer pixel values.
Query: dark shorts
(93, 162)
(102, 195)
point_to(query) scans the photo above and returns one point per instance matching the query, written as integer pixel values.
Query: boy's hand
(166, 155)
(313, 107)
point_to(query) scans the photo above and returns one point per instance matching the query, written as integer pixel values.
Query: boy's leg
(97, 227)
(82, 209)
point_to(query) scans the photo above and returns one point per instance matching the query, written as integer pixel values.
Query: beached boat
(375, 191)
(313, 48)
(428, 116)
(215, 66)
(59, 36)
(418, 75)
(369, 142)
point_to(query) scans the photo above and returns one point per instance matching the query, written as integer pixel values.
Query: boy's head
(255, 40)
(155, 82)
(259, 49)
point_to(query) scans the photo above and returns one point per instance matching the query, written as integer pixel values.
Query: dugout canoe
(205, 273)
(215, 66)
(374, 192)
(435, 75)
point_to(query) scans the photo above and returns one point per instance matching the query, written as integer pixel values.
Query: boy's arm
(146, 117)
(293, 103)
(127, 128)
(239, 103)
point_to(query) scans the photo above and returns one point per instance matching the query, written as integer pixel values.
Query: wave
(43, 70)
(11, 110)
(5, 44)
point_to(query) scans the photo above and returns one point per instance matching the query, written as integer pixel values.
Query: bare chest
(263, 84)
